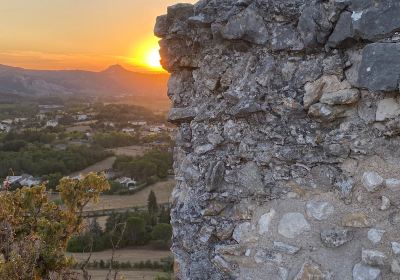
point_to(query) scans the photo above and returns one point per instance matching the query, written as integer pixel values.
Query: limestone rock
(366, 272)
(248, 26)
(250, 178)
(336, 237)
(263, 256)
(324, 112)
(372, 181)
(396, 248)
(393, 184)
(241, 231)
(385, 203)
(395, 267)
(292, 225)
(357, 220)
(311, 270)
(373, 257)
(319, 210)
(180, 115)
(265, 220)
(380, 67)
(341, 97)
(388, 108)
(285, 248)
(375, 235)
(215, 176)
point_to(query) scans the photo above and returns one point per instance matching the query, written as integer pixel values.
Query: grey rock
(180, 115)
(375, 235)
(343, 34)
(248, 26)
(265, 220)
(262, 256)
(396, 248)
(393, 184)
(373, 257)
(366, 272)
(372, 181)
(395, 267)
(324, 112)
(380, 67)
(250, 178)
(341, 97)
(285, 248)
(203, 149)
(336, 237)
(388, 108)
(161, 27)
(319, 210)
(292, 225)
(311, 270)
(241, 231)
(385, 203)
(215, 176)
(286, 37)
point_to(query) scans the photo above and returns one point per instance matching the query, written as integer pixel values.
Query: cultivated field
(78, 128)
(97, 167)
(161, 189)
(132, 151)
(126, 275)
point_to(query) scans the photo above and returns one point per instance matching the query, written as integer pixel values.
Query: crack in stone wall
(287, 158)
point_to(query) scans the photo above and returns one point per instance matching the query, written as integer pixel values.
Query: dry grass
(79, 128)
(161, 189)
(132, 151)
(97, 167)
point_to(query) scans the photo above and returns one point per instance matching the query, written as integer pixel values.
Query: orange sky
(79, 34)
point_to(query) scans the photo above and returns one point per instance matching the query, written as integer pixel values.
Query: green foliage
(162, 233)
(145, 168)
(123, 112)
(114, 139)
(40, 161)
(34, 231)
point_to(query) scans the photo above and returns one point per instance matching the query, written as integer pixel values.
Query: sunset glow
(153, 58)
(146, 54)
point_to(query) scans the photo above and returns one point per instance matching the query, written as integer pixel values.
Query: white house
(128, 130)
(81, 117)
(24, 180)
(137, 123)
(5, 127)
(127, 182)
(51, 123)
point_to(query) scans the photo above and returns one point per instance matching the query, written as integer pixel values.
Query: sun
(152, 58)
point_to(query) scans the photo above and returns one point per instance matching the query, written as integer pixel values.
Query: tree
(162, 233)
(34, 231)
(135, 230)
(152, 207)
(165, 216)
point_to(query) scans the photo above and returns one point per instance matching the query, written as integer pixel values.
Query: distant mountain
(115, 80)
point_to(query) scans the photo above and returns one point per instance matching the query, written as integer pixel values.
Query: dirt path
(127, 275)
(132, 151)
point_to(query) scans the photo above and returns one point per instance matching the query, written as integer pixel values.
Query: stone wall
(288, 155)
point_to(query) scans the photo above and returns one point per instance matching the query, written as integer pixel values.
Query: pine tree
(152, 207)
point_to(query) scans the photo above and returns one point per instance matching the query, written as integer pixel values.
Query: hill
(113, 81)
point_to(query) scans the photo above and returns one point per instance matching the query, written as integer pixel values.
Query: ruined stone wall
(288, 155)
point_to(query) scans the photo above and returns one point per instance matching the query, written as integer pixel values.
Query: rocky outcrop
(287, 158)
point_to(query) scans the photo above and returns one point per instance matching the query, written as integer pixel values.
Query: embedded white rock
(372, 181)
(393, 184)
(373, 257)
(319, 210)
(366, 272)
(292, 225)
(265, 221)
(396, 248)
(375, 235)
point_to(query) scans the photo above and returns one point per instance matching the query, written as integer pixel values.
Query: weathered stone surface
(380, 67)
(373, 257)
(265, 220)
(285, 248)
(357, 220)
(311, 270)
(336, 237)
(393, 184)
(248, 25)
(375, 235)
(366, 272)
(292, 225)
(388, 108)
(395, 267)
(395, 248)
(341, 97)
(319, 210)
(250, 179)
(372, 181)
(215, 176)
(271, 116)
